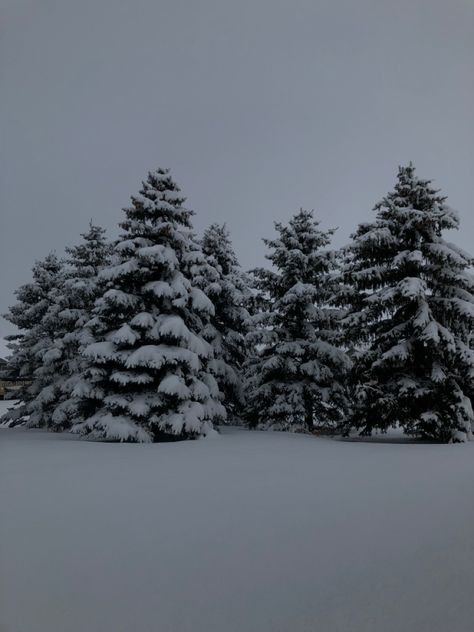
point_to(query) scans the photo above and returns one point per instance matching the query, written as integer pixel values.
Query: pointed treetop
(216, 242)
(297, 250)
(158, 201)
(92, 251)
(419, 196)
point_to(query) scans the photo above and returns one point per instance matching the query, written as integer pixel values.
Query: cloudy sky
(259, 107)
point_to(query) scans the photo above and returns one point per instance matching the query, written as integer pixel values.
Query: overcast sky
(259, 107)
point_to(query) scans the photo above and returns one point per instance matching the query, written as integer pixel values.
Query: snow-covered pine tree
(31, 314)
(411, 312)
(295, 376)
(148, 378)
(224, 282)
(64, 363)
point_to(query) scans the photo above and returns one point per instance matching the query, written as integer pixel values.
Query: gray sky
(258, 106)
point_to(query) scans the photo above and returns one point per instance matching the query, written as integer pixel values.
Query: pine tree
(226, 285)
(64, 362)
(295, 376)
(32, 316)
(148, 377)
(411, 304)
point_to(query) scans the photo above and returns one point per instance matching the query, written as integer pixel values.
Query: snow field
(249, 532)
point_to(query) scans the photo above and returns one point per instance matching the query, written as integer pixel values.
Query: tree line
(161, 335)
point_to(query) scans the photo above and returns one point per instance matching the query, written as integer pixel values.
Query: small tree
(226, 285)
(65, 362)
(295, 376)
(33, 315)
(411, 304)
(148, 377)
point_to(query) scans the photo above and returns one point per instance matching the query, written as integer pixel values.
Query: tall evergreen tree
(226, 285)
(295, 377)
(31, 314)
(149, 377)
(410, 297)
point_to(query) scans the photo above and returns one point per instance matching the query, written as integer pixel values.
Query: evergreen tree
(148, 377)
(295, 376)
(411, 304)
(64, 362)
(226, 285)
(32, 316)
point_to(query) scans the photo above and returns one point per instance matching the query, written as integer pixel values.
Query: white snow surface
(250, 532)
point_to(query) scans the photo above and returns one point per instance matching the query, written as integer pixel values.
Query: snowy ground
(249, 532)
